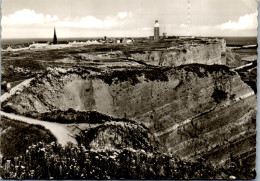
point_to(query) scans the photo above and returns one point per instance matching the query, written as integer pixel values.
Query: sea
(231, 41)
(240, 41)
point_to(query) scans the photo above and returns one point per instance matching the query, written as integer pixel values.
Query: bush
(51, 161)
(219, 95)
(17, 136)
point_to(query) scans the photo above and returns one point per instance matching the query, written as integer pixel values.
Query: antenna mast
(188, 23)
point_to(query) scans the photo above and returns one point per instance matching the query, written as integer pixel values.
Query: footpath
(58, 130)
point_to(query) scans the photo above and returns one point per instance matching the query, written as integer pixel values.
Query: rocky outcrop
(193, 109)
(119, 135)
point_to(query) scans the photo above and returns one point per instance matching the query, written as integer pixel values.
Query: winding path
(242, 66)
(58, 130)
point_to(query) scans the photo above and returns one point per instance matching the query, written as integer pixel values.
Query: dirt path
(18, 87)
(242, 66)
(58, 130)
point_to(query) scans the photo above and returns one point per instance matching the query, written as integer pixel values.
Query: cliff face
(193, 109)
(194, 53)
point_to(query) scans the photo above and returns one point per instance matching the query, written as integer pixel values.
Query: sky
(127, 18)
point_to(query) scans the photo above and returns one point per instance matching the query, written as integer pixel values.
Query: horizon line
(124, 37)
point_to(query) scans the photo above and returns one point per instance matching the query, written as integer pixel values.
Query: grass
(202, 70)
(118, 76)
(73, 116)
(16, 137)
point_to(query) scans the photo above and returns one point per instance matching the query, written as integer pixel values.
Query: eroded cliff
(195, 110)
(190, 53)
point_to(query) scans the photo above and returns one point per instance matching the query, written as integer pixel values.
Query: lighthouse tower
(156, 31)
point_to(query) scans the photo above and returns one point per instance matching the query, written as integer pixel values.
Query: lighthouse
(156, 31)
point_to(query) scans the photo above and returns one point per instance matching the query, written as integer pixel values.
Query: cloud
(122, 15)
(183, 26)
(248, 21)
(30, 17)
(87, 22)
(27, 17)
(93, 22)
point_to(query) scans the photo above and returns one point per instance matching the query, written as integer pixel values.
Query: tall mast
(188, 23)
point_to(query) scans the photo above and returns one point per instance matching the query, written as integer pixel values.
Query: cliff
(182, 51)
(195, 110)
(190, 53)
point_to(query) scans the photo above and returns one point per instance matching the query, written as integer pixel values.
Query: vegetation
(73, 116)
(16, 69)
(203, 70)
(219, 95)
(51, 161)
(119, 136)
(132, 76)
(16, 137)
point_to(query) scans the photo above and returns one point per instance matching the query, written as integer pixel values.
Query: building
(164, 35)
(156, 31)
